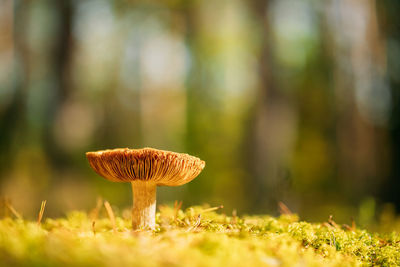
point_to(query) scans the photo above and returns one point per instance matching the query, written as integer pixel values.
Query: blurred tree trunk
(390, 23)
(59, 69)
(13, 120)
(268, 121)
(195, 94)
(357, 72)
(41, 73)
(208, 125)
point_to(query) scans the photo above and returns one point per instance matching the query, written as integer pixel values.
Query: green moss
(193, 238)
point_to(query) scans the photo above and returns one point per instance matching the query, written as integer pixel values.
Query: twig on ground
(327, 225)
(332, 222)
(352, 227)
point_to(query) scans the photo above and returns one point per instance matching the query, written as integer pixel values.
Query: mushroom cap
(146, 164)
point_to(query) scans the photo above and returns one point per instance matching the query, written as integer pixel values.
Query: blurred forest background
(286, 100)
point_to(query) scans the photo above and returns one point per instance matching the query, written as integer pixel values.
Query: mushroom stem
(144, 205)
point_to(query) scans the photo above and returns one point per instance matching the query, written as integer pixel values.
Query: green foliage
(195, 237)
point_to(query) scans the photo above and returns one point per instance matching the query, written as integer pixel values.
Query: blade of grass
(41, 212)
(212, 209)
(283, 209)
(234, 216)
(94, 213)
(110, 215)
(177, 207)
(13, 211)
(195, 224)
(93, 227)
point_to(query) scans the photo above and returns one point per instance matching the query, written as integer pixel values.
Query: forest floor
(195, 237)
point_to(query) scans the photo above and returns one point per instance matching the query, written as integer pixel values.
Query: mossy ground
(194, 237)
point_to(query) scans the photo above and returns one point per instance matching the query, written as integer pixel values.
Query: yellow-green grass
(194, 237)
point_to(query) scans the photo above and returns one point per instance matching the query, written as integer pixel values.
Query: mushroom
(145, 169)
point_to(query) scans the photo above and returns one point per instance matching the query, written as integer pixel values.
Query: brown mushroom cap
(146, 164)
